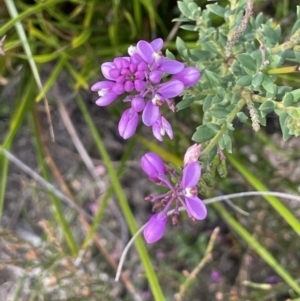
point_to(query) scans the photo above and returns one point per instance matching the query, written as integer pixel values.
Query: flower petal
(155, 76)
(150, 114)
(138, 103)
(171, 66)
(105, 68)
(167, 127)
(196, 208)
(191, 174)
(157, 44)
(192, 154)
(105, 84)
(171, 88)
(145, 50)
(139, 85)
(106, 99)
(189, 76)
(153, 165)
(156, 130)
(128, 123)
(155, 228)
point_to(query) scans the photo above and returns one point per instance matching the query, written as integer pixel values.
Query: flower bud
(192, 154)
(138, 103)
(128, 123)
(155, 228)
(171, 88)
(189, 76)
(153, 166)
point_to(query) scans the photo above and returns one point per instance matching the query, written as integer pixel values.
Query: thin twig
(43, 182)
(173, 31)
(206, 202)
(82, 151)
(207, 257)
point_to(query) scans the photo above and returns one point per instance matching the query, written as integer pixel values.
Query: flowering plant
(236, 73)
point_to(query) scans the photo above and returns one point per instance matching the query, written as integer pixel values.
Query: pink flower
(143, 75)
(184, 193)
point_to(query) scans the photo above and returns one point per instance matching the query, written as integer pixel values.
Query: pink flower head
(184, 193)
(143, 74)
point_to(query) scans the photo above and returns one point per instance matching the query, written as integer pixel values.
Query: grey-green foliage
(238, 70)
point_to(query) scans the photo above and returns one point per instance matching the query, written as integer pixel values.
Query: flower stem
(213, 142)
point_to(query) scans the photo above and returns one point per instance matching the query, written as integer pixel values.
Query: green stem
(213, 142)
(294, 40)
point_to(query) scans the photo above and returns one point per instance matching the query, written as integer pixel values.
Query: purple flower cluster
(184, 192)
(142, 75)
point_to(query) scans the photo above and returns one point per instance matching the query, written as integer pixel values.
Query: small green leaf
(296, 26)
(202, 55)
(282, 90)
(213, 126)
(181, 46)
(216, 99)
(268, 83)
(242, 117)
(283, 119)
(219, 113)
(213, 79)
(266, 107)
(185, 103)
(203, 133)
(225, 143)
(288, 99)
(170, 55)
(207, 102)
(184, 9)
(270, 35)
(297, 56)
(259, 19)
(275, 61)
(192, 6)
(245, 80)
(247, 61)
(229, 125)
(216, 9)
(296, 94)
(188, 27)
(257, 79)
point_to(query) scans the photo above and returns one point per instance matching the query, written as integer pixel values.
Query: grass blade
(258, 248)
(151, 275)
(273, 201)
